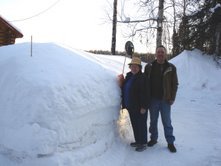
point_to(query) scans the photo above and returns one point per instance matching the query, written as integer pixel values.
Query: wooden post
(31, 46)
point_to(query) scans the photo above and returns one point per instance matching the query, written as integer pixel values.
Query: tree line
(145, 57)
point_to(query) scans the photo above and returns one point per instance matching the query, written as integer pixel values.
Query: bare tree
(148, 22)
(151, 20)
(160, 23)
(114, 28)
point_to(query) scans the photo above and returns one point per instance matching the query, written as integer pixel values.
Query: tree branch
(138, 21)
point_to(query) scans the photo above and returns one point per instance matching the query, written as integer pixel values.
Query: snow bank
(54, 101)
(195, 71)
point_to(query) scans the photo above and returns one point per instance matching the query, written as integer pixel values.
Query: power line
(36, 15)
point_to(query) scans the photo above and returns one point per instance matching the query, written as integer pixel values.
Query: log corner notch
(8, 33)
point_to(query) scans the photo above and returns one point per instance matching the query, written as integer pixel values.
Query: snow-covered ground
(61, 107)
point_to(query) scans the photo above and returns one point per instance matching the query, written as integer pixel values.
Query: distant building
(8, 33)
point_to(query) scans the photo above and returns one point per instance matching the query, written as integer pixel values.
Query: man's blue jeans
(160, 106)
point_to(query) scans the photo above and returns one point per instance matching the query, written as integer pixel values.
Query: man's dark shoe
(172, 148)
(141, 147)
(151, 143)
(134, 144)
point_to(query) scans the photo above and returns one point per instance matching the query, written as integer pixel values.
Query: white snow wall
(51, 102)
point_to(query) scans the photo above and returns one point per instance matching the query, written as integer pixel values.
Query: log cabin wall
(8, 33)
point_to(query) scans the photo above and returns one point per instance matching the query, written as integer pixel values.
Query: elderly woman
(135, 98)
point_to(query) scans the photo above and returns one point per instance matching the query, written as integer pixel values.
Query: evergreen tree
(202, 28)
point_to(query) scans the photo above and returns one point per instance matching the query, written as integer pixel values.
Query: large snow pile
(54, 101)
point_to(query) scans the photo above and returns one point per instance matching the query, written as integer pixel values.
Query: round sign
(129, 48)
